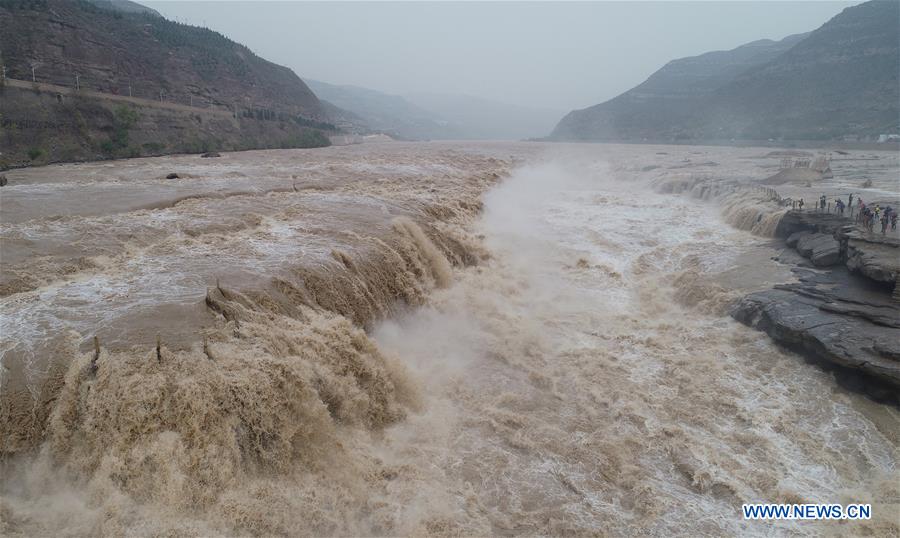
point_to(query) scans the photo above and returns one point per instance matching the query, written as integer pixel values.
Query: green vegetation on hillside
(124, 118)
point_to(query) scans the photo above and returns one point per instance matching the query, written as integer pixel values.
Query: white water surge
(582, 378)
(571, 392)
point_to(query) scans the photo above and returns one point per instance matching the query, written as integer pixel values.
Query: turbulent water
(508, 339)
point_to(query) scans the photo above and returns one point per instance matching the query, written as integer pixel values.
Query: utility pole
(32, 74)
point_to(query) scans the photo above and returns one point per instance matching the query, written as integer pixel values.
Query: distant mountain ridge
(841, 79)
(431, 116)
(670, 96)
(707, 72)
(367, 110)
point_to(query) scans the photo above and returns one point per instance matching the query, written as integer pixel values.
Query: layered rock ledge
(841, 313)
(822, 250)
(828, 318)
(815, 235)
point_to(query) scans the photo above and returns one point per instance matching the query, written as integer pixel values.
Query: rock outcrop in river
(845, 316)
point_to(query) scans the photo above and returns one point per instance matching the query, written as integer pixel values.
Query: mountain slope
(344, 119)
(707, 72)
(127, 82)
(111, 49)
(670, 96)
(840, 79)
(125, 6)
(382, 112)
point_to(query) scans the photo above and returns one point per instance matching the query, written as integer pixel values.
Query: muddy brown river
(418, 339)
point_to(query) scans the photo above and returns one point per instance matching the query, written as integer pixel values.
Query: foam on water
(596, 403)
(561, 365)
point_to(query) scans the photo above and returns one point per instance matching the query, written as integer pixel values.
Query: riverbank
(43, 123)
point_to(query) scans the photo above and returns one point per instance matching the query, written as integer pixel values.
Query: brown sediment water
(83, 255)
(413, 339)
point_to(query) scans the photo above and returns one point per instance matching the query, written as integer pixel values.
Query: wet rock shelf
(845, 317)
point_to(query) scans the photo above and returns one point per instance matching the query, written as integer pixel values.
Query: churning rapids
(413, 339)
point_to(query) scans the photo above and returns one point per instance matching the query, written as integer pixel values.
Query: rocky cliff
(842, 313)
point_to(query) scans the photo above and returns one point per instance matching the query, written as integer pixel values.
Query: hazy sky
(552, 55)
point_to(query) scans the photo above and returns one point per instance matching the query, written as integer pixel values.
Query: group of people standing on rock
(822, 203)
(866, 215)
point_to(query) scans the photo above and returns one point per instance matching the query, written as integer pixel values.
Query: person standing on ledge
(889, 213)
